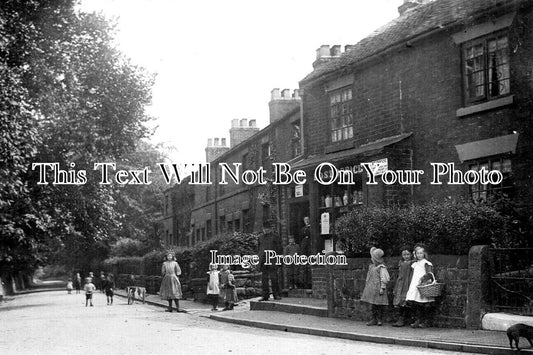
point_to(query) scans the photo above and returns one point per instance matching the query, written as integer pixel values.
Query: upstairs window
(486, 68)
(341, 116)
(265, 153)
(296, 146)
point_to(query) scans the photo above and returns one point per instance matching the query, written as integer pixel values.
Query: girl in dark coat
(405, 273)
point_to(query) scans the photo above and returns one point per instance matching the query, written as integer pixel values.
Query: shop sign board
(298, 190)
(379, 166)
(324, 223)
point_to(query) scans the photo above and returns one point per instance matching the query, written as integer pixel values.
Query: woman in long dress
(170, 285)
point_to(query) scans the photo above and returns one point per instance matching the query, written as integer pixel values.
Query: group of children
(221, 283)
(106, 285)
(414, 270)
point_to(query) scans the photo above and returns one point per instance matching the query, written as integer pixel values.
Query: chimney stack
(281, 105)
(325, 54)
(215, 148)
(410, 4)
(242, 129)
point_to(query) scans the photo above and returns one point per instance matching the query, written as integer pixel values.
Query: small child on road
(89, 290)
(375, 286)
(108, 286)
(69, 286)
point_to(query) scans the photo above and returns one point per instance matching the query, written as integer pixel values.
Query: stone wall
(346, 284)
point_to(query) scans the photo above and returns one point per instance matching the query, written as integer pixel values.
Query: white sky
(218, 60)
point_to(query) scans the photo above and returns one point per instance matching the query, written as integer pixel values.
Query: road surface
(58, 323)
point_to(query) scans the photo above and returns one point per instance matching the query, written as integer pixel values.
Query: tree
(68, 96)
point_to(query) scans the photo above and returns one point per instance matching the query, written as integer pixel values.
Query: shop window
(296, 146)
(486, 68)
(481, 193)
(341, 114)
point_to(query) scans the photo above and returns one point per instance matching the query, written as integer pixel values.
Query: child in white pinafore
(423, 306)
(213, 285)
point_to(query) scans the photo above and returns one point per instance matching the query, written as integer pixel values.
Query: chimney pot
(323, 51)
(286, 93)
(336, 50)
(349, 47)
(244, 122)
(296, 94)
(235, 122)
(252, 123)
(216, 142)
(223, 142)
(274, 94)
(209, 142)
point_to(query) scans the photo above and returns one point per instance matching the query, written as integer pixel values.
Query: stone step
(291, 305)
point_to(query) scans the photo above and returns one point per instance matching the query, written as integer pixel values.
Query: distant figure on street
(69, 286)
(77, 282)
(108, 287)
(170, 285)
(375, 287)
(89, 290)
(268, 240)
(102, 282)
(227, 280)
(213, 285)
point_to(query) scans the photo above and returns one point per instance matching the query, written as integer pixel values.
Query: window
(230, 226)
(341, 116)
(247, 227)
(265, 153)
(244, 162)
(296, 147)
(222, 224)
(237, 224)
(203, 233)
(480, 193)
(486, 68)
(209, 229)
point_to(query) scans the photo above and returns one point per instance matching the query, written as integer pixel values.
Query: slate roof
(417, 21)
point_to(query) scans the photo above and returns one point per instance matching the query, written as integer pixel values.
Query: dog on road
(520, 330)
(135, 292)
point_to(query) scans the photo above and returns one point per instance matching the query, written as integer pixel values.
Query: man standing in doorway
(305, 249)
(269, 240)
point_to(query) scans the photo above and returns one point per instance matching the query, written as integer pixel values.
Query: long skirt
(170, 288)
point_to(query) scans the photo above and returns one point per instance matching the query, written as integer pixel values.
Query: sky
(219, 60)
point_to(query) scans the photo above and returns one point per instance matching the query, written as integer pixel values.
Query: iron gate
(511, 280)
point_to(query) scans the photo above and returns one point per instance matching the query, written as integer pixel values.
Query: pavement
(460, 340)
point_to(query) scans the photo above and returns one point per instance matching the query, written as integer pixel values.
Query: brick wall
(419, 89)
(346, 284)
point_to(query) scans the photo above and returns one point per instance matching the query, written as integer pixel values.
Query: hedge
(194, 262)
(445, 227)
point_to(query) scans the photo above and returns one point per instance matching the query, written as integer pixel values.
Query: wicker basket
(432, 290)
